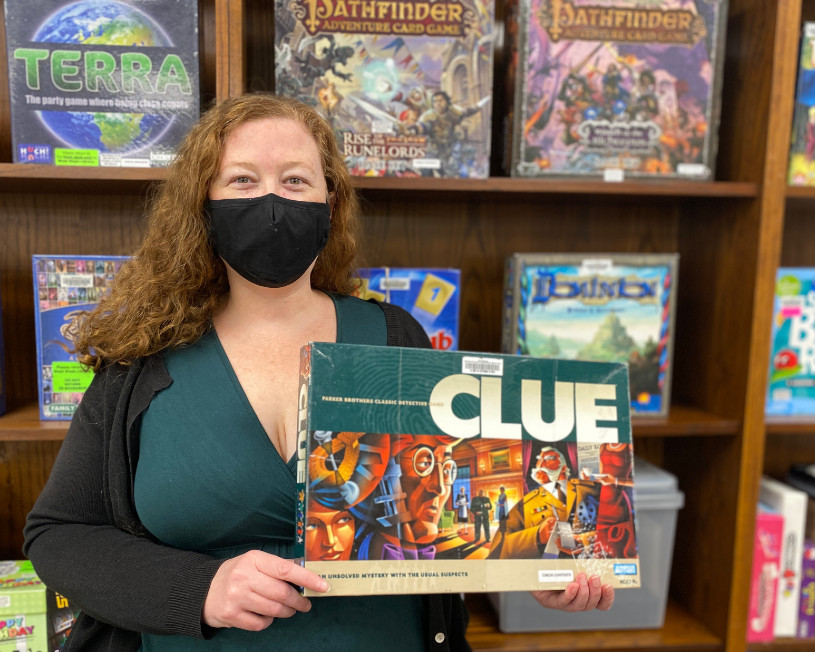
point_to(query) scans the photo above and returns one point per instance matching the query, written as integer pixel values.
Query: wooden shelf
(801, 192)
(680, 632)
(21, 177)
(24, 424)
(785, 645)
(790, 426)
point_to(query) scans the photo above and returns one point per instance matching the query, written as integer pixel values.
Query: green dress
(210, 480)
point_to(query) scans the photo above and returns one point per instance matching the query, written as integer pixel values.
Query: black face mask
(269, 240)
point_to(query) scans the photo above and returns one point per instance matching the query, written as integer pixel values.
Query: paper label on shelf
(613, 175)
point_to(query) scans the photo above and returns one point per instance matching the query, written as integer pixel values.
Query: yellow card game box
(425, 471)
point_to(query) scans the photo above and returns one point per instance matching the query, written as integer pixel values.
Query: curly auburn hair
(167, 293)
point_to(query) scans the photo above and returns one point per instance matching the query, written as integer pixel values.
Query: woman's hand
(583, 594)
(253, 589)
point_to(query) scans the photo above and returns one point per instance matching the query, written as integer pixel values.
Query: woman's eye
(295, 181)
(241, 180)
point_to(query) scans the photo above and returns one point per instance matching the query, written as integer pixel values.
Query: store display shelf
(681, 631)
(17, 177)
(24, 424)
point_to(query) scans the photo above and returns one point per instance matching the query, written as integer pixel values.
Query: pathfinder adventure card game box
(407, 85)
(607, 307)
(425, 471)
(65, 286)
(613, 89)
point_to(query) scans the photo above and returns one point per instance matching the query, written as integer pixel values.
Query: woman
(462, 510)
(169, 514)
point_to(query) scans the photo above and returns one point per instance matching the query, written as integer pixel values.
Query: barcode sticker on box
(482, 366)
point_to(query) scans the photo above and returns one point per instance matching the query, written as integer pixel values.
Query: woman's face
(270, 155)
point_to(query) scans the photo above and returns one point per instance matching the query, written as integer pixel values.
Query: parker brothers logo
(563, 19)
(447, 18)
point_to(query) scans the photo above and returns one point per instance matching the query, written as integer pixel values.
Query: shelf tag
(613, 175)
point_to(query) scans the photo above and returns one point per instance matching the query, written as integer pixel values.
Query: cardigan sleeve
(82, 545)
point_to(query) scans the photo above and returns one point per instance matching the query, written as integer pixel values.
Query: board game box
(791, 383)
(425, 471)
(407, 86)
(623, 88)
(802, 139)
(101, 82)
(607, 307)
(23, 609)
(64, 286)
(430, 295)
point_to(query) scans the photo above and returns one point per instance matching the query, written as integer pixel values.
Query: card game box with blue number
(430, 295)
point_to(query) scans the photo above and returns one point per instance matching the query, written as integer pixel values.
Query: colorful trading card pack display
(431, 295)
(407, 86)
(791, 385)
(606, 307)
(101, 82)
(425, 471)
(622, 88)
(64, 286)
(802, 141)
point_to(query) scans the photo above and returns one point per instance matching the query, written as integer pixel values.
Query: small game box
(23, 609)
(65, 286)
(608, 307)
(791, 383)
(430, 295)
(622, 88)
(407, 86)
(424, 471)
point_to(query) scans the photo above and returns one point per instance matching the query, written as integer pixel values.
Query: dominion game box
(430, 295)
(791, 382)
(64, 286)
(622, 88)
(609, 307)
(101, 82)
(407, 85)
(425, 471)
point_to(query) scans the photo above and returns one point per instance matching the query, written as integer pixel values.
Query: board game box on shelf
(407, 86)
(64, 286)
(91, 83)
(430, 295)
(802, 140)
(791, 382)
(424, 471)
(622, 88)
(607, 307)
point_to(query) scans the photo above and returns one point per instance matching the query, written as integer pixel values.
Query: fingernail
(324, 586)
(595, 581)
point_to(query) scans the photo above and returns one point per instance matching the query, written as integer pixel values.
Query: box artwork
(604, 307)
(614, 89)
(791, 385)
(101, 82)
(65, 286)
(431, 296)
(23, 619)
(406, 85)
(802, 140)
(423, 471)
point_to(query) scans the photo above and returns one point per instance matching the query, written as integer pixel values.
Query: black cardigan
(86, 540)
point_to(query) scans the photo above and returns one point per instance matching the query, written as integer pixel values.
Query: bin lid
(655, 488)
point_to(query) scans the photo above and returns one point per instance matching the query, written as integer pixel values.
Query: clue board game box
(607, 307)
(430, 295)
(101, 82)
(791, 382)
(407, 86)
(802, 138)
(425, 471)
(64, 287)
(623, 88)
(23, 608)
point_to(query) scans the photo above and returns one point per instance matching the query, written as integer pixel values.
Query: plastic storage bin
(657, 500)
